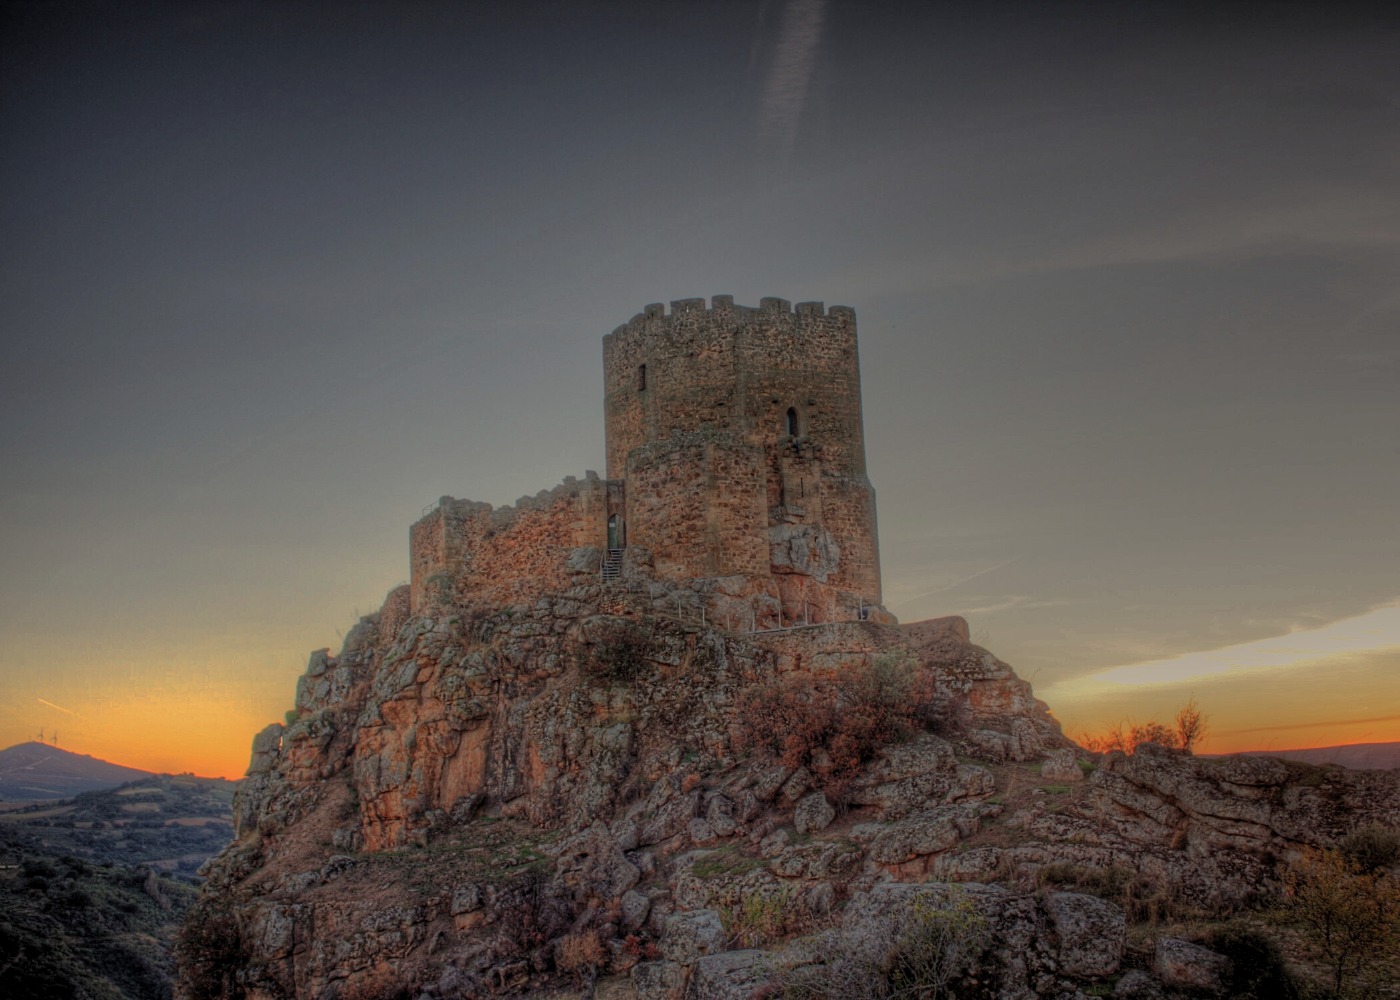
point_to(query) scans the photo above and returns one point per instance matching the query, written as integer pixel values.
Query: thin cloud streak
(966, 579)
(1377, 630)
(785, 93)
(1007, 603)
(1328, 724)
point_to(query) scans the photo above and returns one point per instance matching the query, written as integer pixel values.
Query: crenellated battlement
(722, 308)
(506, 514)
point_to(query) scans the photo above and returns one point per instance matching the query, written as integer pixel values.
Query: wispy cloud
(1317, 222)
(785, 91)
(1376, 630)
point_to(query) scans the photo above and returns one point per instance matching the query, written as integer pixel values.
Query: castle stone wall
(730, 376)
(466, 550)
(735, 455)
(693, 502)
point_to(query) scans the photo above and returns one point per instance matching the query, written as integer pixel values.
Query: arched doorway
(617, 533)
(792, 421)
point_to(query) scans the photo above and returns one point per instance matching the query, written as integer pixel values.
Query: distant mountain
(1360, 756)
(30, 772)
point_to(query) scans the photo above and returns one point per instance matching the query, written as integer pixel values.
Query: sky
(278, 276)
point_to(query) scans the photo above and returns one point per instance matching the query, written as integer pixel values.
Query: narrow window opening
(641, 378)
(792, 422)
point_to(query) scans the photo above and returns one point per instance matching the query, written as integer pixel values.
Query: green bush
(209, 952)
(937, 947)
(1372, 848)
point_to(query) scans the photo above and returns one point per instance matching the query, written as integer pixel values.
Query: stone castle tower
(735, 467)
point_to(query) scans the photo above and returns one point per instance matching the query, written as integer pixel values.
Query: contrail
(799, 38)
(59, 707)
(966, 579)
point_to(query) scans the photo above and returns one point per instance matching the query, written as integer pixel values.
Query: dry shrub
(639, 947)
(619, 652)
(1371, 848)
(1142, 900)
(529, 913)
(580, 954)
(209, 952)
(1188, 728)
(938, 946)
(833, 727)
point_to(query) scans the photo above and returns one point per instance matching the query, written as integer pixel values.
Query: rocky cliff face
(572, 797)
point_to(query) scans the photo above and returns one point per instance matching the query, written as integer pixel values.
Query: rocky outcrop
(1254, 805)
(553, 799)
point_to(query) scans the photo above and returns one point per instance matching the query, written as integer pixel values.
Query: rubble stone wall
(463, 548)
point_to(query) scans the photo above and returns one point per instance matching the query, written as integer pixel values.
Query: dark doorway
(617, 533)
(792, 422)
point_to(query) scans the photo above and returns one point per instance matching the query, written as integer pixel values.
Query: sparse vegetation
(70, 928)
(619, 652)
(1184, 733)
(1349, 914)
(833, 727)
(580, 955)
(754, 919)
(936, 946)
(1142, 901)
(727, 861)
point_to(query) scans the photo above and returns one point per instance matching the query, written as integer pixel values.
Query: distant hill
(1359, 756)
(172, 823)
(33, 772)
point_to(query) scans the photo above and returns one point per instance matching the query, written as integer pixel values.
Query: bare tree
(1191, 725)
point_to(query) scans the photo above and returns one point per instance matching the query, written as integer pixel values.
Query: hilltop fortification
(650, 736)
(735, 464)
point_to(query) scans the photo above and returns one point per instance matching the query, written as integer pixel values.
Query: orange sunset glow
(278, 278)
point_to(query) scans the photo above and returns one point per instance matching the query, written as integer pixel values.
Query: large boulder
(1189, 966)
(1091, 934)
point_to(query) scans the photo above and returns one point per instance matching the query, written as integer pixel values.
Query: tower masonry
(735, 469)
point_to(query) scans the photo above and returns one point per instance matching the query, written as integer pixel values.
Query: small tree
(1350, 916)
(1191, 725)
(938, 945)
